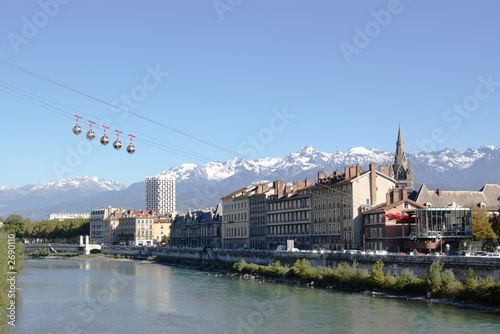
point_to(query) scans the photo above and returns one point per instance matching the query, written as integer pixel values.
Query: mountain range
(203, 186)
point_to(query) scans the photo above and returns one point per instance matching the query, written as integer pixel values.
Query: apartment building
(160, 193)
(337, 200)
(161, 228)
(235, 220)
(289, 215)
(135, 228)
(199, 228)
(99, 224)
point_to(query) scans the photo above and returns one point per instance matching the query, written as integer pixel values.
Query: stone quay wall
(393, 264)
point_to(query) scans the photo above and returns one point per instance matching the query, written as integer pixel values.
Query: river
(62, 296)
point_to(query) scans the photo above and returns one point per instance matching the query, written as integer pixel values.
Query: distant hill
(203, 186)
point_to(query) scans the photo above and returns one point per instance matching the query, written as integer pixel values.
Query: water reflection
(106, 296)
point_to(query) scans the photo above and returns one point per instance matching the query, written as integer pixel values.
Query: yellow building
(235, 220)
(161, 229)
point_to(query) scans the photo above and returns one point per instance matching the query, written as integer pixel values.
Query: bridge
(79, 244)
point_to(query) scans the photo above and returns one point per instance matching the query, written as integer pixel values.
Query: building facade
(161, 228)
(135, 228)
(337, 202)
(111, 227)
(289, 216)
(99, 224)
(235, 220)
(488, 198)
(200, 228)
(67, 215)
(381, 230)
(160, 194)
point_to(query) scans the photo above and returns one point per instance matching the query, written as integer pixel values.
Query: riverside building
(337, 201)
(100, 224)
(289, 215)
(198, 228)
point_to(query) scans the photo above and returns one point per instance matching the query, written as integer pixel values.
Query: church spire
(401, 169)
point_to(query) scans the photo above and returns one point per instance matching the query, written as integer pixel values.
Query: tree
(481, 226)
(495, 223)
(14, 224)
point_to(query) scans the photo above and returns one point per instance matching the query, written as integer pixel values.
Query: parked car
(491, 254)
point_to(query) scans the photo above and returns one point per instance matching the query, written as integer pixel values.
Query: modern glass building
(443, 223)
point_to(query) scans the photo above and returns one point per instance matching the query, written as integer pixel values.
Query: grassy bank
(437, 283)
(11, 256)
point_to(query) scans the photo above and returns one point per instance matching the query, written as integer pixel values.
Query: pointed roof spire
(401, 169)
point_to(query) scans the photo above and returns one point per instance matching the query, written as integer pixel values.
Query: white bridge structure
(79, 244)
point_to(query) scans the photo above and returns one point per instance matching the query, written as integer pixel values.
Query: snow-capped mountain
(200, 186)
(310, 160)
(84, 184)
(53, 193)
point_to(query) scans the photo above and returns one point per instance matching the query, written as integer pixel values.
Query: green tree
(14, 224)
(495, 223)
(481, 226)
(377, 276)
(433, 278)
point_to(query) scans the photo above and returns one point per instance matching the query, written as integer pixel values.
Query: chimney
(373, 184)
(439, 192)
(308, 182)
(388, 197)
(358, 170)
(384, 169)
(404, 193)
(347, 172)
(352, 171)
(321, 175)
(300, 184)
(278, 186)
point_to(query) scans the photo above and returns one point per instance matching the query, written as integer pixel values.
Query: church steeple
(401, 170)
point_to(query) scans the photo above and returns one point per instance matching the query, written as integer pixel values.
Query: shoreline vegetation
(11, 256)
(437, 286)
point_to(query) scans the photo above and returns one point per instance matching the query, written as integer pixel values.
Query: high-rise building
(160, 194)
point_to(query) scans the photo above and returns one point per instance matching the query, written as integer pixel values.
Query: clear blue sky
(252, 78)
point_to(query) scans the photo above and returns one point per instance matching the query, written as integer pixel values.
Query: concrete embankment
(394, 264)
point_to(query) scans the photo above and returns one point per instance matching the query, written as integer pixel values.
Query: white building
(160, 194)
(64, 216)
(100, 224)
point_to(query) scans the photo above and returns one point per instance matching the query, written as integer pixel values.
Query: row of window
(235, 206)
(332, 201)
(236, 232)
(346, 188)
(296, 216)
(289, 229)
(332, 214)
(235, 217)
(292, 204)
(373, 232)
(331, 228)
